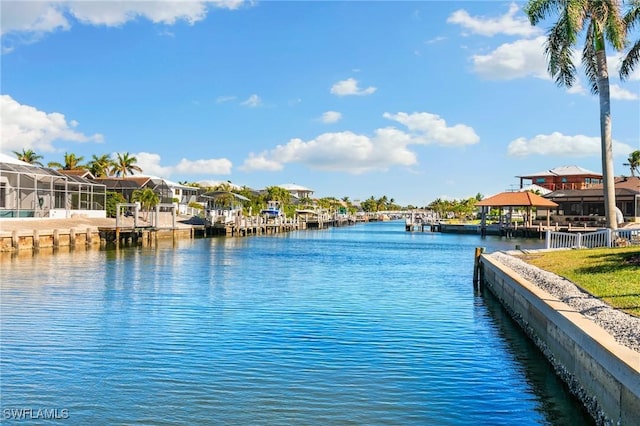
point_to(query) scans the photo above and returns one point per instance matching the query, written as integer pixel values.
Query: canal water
(361, 325)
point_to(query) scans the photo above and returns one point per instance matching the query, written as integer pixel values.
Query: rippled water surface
(360, 325)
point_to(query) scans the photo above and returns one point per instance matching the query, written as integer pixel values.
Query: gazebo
(515, 199)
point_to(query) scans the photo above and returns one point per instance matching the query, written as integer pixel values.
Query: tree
(634, 162)
(125, 164)
(29, 156)
(277, 193)
(113, 199)
(369, 205)
(101, 166)
(631, 59)
(147, 198)
(71, 162)
(603, 21)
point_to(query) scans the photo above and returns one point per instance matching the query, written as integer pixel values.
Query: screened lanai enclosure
(29, 191)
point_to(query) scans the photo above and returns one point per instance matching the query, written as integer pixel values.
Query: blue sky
(412, 100)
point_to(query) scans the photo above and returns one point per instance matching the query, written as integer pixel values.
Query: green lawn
(613, 275)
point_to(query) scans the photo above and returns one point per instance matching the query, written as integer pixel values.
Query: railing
(601, 238)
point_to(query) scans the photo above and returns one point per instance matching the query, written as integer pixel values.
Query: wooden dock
(128, 232)
(509, 231)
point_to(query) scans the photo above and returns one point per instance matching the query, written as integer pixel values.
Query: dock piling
(476, 267)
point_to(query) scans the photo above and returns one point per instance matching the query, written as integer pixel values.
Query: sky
(413, 100)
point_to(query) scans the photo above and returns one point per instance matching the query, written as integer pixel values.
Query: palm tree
(147, 198)
(603, 21)
(71, 162)
(631, 59)
(29, 156)
(125, 164)
(634, 162)
(101, 166)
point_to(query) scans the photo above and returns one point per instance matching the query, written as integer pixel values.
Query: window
(564, 180)
(3, 195)
(540, 180)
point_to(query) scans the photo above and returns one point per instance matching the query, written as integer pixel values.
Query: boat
(272, 210)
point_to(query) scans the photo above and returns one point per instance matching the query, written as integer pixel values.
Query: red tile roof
(516, 199)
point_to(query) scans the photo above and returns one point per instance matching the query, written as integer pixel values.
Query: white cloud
(432, 129)
(32, 16)
(557, 144)
(111, 13)
(252, 102)
(519, 59)
(223, 99)
(356, 153)
(577, 89)
(257, 162)
(25, 127)
(508, 24)
(331, 117)
(28, 21)
(150, 165)
(343, 151)
(434, 40)
(614, 61)
(621, 94)
(350, 87)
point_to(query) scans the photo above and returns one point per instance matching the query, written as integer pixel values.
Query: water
(360, 325)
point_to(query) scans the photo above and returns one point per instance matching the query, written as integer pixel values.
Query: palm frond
(630, 61)
(607, 14)
(589, 60)
(559, 51)
(632, 17)
(537, 10)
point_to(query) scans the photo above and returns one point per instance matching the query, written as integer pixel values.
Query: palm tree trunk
(608, 175)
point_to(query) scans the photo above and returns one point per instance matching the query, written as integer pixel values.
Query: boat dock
(505, 230)
(82, 232)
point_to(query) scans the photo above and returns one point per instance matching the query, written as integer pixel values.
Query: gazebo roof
(516, 199)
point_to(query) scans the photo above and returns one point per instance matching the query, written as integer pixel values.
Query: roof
(220, 194)
(113, 183)
(29, 169)
(169, 183)
(78, 172)
(294, 187)
(563, 171)
(516, 199)
(4, 158)
(535, 188)
(139, 180)
(628, 182)
(594, 194)
(214, 183)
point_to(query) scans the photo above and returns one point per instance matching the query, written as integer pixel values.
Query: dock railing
(600, 238)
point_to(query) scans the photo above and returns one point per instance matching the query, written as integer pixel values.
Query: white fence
(601, 238)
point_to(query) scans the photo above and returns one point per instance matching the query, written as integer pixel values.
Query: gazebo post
(483, 222)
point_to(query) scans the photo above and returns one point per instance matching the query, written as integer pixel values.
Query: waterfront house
(128, 184)
(297, 191)
(587, 205)
(561, 178)
(30, 191)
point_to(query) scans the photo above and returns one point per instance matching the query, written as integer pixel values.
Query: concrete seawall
(23, 240)
(604, 374)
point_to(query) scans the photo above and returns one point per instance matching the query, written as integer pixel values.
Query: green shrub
(113, 199)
